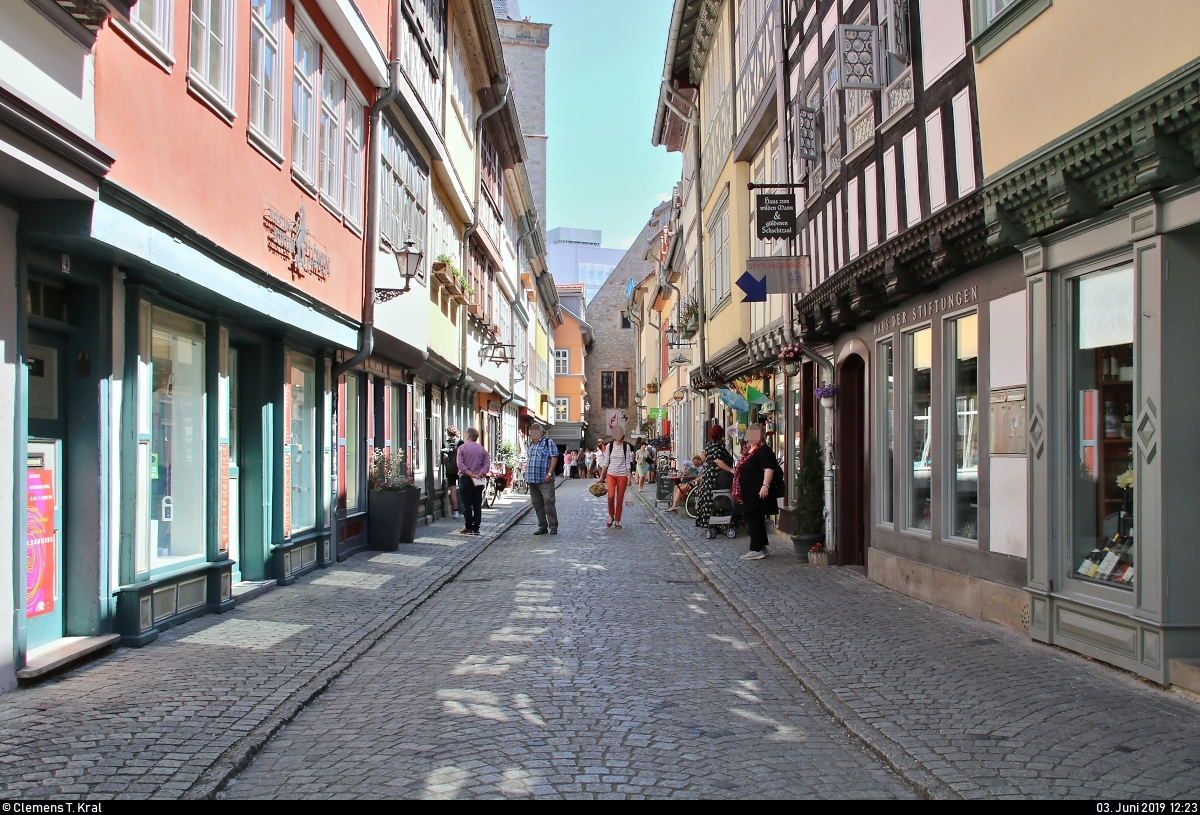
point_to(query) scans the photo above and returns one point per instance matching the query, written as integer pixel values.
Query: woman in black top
(752, 479)
(716, 455)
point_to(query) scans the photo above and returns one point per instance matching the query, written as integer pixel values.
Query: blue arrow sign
(755, 289)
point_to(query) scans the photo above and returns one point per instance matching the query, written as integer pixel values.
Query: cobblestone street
(596, 663)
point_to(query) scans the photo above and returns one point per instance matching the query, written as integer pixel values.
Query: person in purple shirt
(473, 463)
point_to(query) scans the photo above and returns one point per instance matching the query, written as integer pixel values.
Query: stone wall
(615, 348)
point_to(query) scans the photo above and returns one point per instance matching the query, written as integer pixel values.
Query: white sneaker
(754, 555)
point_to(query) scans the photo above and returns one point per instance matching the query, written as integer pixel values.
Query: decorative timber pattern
(1150, 143)
(921, 259)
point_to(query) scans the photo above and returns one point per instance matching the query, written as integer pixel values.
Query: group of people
(754, 479)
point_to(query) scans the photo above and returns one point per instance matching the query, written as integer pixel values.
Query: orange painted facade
(568, 336)
(176, 152)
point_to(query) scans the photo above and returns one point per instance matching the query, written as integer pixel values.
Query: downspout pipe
(700, 303)
(366, 333)
(474, 225)
(789, 333)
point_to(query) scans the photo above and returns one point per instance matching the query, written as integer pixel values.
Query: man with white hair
(539, 473)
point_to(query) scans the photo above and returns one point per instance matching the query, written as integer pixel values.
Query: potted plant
(808, 506)
(689, 318)
(392, 502)
(825, 393)
(791, 359)
(652, 387)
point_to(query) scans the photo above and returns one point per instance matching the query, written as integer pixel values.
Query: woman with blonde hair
(753, 476)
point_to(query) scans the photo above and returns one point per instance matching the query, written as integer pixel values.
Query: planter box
(802, 543)
(474, 308)
(392, 518)
(818, 558)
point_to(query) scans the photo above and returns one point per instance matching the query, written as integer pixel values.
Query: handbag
(598, 489)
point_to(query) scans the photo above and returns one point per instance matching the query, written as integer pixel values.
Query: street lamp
(408, 263)
(522, 367)
(674, 338)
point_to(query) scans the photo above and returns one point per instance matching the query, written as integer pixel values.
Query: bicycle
(520, 486)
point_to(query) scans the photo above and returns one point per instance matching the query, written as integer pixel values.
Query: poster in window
(39, 542)
(224, 447)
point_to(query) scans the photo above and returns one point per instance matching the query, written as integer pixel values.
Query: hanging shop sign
(774, 275)
(291, 240)
(776, 215)
(657, 413)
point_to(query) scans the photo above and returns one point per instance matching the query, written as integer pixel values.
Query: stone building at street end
(998, 216)
(611, 368)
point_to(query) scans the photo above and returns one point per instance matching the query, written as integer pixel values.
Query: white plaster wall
(943, 37)
(1009, 491)
(47, 66)
(9, 534)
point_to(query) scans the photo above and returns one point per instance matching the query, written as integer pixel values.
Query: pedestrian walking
(543, 456)
(616, 463)
(450, 465)
(642, 457)
(716, 457)
(473, 465)
(753, 476)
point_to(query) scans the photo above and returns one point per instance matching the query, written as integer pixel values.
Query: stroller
(725, 517)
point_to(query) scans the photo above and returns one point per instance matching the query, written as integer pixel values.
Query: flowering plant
(1125, 479)
(817, 548)
(388, 472)
(825, 391)
(790, 353)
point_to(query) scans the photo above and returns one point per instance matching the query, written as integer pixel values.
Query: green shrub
(808, 510)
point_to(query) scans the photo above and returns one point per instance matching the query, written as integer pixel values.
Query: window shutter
(859, 63)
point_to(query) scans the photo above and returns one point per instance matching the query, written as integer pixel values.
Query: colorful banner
(39, 542)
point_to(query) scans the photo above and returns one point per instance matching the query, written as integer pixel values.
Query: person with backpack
(543, 456)
(450, 463)
(617, 460)
(757, 486)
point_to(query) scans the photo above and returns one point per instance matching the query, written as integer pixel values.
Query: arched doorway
(850, 451)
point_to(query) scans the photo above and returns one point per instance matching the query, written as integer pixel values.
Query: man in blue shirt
(539, 473)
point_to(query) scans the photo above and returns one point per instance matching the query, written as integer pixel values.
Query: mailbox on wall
(1006, 422)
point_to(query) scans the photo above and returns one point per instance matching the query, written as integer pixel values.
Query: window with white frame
(306, 76)
(994, 7)
(562, 361)
(405, 187)
(718, 237)
(833, 119)
(444, 239)
(333, 108)
(153, 24)
(211, 52)
(562, 409)
(860, 109)
(266, 71)
(462, 89)
(352, 191)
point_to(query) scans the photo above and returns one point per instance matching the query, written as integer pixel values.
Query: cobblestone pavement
(178, 716)
(594, 663)
(960, 707)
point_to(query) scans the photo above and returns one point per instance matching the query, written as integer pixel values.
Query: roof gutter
(660, 115)
(366, 337)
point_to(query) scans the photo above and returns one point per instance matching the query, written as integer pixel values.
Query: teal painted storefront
(197, 447)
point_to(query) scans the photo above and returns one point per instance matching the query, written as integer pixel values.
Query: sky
(602, 75)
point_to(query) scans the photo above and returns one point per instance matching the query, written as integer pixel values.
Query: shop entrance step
(62, 652)
(247, 590)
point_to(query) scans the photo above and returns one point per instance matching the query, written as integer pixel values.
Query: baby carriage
(724, 516)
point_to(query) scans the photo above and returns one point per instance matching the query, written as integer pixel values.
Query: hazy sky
(602, 75)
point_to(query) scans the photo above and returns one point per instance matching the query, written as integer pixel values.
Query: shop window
(919, 354)
(177, 493)
(353, 436)
(887, 430)
(1102, 374)
(962, 343)
(302, 442)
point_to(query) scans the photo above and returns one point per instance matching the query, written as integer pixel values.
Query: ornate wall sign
(292, 241)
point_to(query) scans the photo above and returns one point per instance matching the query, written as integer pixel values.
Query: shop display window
(302, 379)
(887, 430)
(962, 340)
(353, 436)
(919, 353)
(177, 441)
(1102, 375)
